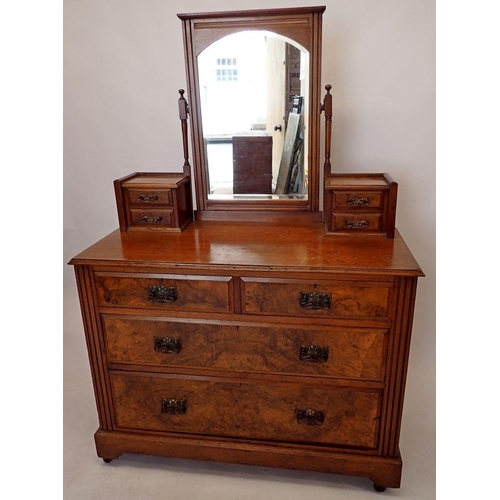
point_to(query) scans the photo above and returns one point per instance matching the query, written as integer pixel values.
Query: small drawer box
(154, 202)
(360, 205)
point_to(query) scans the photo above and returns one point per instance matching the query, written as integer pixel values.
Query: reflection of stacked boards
(291, 172)
(252, 163)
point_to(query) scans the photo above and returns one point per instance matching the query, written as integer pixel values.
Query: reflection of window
(226, 70)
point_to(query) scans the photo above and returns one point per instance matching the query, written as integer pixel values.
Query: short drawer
(314, 299)
(151, 218)
(357, 222)
(148, 196)
(165, 292)
(349, 200)
(351, 353)
(245, 409)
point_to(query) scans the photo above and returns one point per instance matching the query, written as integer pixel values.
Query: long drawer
(270, 411)
(165, 292)
(352, 353)
(314, 299)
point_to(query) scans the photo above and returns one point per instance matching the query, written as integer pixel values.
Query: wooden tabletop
(267, 246)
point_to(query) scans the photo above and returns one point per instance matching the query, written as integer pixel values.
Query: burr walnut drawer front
(147, 197)
(357, 222)
(276, 411)
(352, 353)
(314, 299)
(357, 200)
(165, 292)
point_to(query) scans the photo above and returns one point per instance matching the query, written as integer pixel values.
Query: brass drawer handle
(358, 202)
(174, 406)
(162, 294)
(357, 224)
(151, 220)
(313, 353)
(167, 345)
(148, 197)
(310, 416)
(315, 300)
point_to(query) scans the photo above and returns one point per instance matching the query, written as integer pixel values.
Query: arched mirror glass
(254, 94)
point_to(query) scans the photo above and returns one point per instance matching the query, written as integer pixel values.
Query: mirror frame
(302, 25)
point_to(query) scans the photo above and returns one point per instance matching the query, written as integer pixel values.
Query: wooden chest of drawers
(262, 346)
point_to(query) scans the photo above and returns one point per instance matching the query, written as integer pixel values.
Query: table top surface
(263, 246)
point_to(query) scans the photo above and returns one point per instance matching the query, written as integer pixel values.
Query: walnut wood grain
(354, 353)
(199, 293)
(281, 297)
(263, 411)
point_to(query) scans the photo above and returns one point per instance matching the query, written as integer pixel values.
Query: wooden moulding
(381, 470)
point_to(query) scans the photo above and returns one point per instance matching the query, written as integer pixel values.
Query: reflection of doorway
(276, 98)
(283, 82)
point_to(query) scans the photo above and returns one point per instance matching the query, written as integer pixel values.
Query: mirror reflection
(254, 94)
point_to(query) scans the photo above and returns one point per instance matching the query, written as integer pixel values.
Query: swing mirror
(254, 97)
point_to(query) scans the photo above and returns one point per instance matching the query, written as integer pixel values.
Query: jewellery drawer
(150, 218)
(148, 196)
(247, 409)
(365, 222)
(360, 205)
(154, 201)
(352, 353)
(165, 292)
(314, 299)
(354, 200)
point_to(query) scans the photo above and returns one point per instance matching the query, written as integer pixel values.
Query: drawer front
(357, 222)
(352, 353)
(148, 196)
(165, 292)
(357, 200)
(256, 410)
(311, 299)
(151, 218)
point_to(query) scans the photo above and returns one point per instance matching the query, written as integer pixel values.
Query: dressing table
(251, 335)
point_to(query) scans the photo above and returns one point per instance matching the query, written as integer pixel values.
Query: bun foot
(107, 460)
(378, 488)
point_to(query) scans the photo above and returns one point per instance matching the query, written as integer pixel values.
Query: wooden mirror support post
(183, 115)
(327, 108)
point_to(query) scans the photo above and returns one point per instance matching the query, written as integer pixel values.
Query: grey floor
(134, 477)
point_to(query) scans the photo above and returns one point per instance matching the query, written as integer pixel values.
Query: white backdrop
(124, 64)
